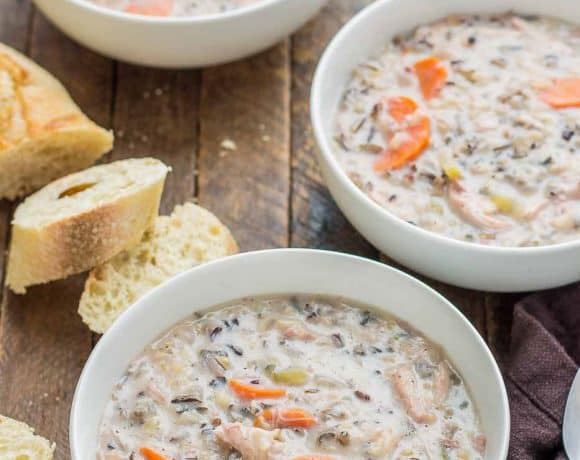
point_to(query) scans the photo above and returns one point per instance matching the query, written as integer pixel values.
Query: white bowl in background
(453, 261)
(290, 271)
(178, 42)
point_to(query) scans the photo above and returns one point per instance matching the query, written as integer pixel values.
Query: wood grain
(14, 25)
(316, 220)
(43, 343)
(156, 114)
(248, 103)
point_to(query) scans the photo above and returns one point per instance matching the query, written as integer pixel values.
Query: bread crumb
(228, 144)
(266, 138)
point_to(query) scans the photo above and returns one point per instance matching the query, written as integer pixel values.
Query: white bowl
(445, 259)
(284, 271)
(179, 42)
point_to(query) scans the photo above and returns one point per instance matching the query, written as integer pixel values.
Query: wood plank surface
(14, 25)
(156, 114)
(316, 220)
(43, 343)
(247, 185)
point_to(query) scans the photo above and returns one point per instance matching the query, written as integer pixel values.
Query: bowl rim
(233, 14)
(326, 152)
(127, 320)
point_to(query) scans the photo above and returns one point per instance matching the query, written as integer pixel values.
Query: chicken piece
(156, 393)
(479, 443)
(253, 443)
(471, 207)
(441, 384)
(407, 389)
(295, 330)
(383, 442)
(536, 209)
(565, 221)
(574, 192)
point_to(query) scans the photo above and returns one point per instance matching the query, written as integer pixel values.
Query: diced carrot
(401, 106)
(249, 391)
(285, 418)
(150, 454)
(314, 457)
(150, 7)
(417, 140)
(432, 75)
(564, 93)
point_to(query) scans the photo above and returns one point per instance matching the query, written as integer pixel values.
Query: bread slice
(18, 442)
(190, 236)
(43, 134)
(79, 221)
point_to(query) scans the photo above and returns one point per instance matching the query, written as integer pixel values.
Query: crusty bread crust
(43, 133)
(43, 251)
(191, 235)
(18, 441)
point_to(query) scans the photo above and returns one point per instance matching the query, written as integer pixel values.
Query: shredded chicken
(407, 389)
(441, 384)
(472, 208)
(252, 443)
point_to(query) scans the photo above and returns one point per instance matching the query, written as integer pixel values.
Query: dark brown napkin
(545, 352)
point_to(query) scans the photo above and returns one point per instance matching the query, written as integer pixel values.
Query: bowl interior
(282, 272)
(99, 9)
(366, 35)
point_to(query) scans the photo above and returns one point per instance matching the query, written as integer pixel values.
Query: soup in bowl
(267, 356)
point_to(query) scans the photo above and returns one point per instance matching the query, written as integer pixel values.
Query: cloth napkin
(544, 358)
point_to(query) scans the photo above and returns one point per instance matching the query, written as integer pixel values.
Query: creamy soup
(173, 7)
(288, 378)
(470, 127)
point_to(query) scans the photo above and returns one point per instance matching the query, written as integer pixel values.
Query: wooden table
(268, 191)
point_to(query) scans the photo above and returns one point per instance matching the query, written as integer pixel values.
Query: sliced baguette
(43, 134)
(190, 236)
(79, 221)
(18, 442)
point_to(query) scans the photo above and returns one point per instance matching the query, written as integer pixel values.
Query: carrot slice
(286, 418)
(249, 391)
(150, 454)
(401, 106)
(417, 140)
(432, 75)
(150, 7)
(564, 93)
